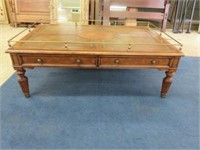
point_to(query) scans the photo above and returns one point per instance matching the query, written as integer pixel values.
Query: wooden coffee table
(97, 47)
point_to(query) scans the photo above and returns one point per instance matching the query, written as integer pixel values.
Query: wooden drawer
(48, 60)
(131, 62)
(33, 18)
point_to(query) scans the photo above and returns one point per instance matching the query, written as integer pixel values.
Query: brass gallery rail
(65, 43)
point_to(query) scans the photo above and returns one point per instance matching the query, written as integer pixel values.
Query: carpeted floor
(102, 109)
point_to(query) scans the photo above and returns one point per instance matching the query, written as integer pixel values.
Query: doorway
(69, 11)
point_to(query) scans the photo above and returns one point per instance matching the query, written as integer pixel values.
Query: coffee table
(95, 47)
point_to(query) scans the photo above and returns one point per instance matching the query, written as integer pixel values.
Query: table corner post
(23, 81)
(167, 81)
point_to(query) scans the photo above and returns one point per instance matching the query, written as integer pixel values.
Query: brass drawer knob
(39, 60)
(78, 61)
(117, 61)
(153, 62)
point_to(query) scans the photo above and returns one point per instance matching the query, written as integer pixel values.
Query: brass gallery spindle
(129, 47)
(181, 48)
(9, 44)
(66, 46)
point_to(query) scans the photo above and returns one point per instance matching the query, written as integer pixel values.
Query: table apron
(96, 61)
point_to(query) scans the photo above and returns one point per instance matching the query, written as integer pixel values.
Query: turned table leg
(167, 81)
(23, 82)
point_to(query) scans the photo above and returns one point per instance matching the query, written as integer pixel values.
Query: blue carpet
(102, 109)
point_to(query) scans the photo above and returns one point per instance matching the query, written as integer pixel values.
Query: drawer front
(134, 62)
(33, 18)
(59, 60)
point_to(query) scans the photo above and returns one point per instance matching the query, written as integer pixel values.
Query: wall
(69, 3)
(3, 12)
